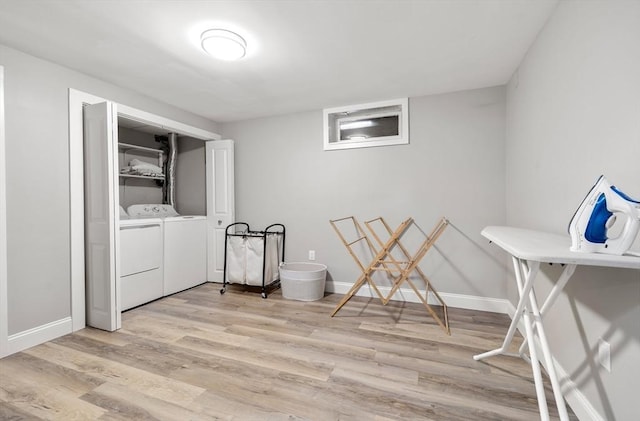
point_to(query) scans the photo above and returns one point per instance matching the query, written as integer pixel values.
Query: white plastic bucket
(303, 281)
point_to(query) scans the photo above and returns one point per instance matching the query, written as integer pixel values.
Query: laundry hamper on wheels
(303, 281)
(252, 257)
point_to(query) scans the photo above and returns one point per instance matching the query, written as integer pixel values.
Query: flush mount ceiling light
(223, 44)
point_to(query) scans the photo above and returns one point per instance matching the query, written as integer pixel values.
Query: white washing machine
(141, 262)
(184, 246)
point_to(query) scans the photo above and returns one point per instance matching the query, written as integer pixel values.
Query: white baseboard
(32, 337)
(578, 402)
(469, 302)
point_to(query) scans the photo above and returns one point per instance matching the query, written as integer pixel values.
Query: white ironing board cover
(551, 248)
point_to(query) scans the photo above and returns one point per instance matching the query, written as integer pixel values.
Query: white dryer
(184, 249)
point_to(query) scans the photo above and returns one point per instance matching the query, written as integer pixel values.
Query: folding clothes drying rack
(253, 257)
(399, 271)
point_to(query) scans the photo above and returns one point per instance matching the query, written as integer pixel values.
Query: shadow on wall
(604, 291)
(478, 248)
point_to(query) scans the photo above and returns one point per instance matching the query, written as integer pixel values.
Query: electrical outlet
(312, 255)
(604, 354)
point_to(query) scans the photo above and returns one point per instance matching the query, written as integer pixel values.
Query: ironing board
(528, 249)
(399, 270)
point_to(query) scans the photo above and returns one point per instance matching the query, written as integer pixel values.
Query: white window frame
(332, 126)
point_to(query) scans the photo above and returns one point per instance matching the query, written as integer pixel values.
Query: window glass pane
(369, 127)
(365, 125)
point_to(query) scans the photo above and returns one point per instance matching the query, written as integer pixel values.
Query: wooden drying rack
(399, 271)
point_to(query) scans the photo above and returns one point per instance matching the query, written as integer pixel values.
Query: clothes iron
(597, 214)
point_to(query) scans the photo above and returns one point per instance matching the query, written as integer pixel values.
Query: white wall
(453, 167)
(3, 229)
(573, 113)
(37, 152)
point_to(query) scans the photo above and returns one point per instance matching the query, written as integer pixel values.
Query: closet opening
(203, 206)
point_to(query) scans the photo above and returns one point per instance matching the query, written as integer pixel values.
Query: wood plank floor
(199, 355)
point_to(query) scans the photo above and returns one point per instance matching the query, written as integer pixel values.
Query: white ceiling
(303, 55)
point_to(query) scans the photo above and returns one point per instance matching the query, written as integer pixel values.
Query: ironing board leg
(529, 273)
(553, 295)
(546, 352)
(532, 317)
(514, 322)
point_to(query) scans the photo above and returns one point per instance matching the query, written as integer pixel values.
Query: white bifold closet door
(102, 272)
(220, 203)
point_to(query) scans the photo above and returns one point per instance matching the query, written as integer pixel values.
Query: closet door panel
(101, 206)
(220, 203)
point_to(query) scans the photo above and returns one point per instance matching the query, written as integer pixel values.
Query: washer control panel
(151, 211)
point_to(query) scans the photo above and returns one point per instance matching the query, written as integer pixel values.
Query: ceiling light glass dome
(223, 44)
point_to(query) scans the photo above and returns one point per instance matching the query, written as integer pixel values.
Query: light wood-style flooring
(199, 355)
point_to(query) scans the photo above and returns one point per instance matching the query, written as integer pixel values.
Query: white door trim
(4, 311)
(76, 185)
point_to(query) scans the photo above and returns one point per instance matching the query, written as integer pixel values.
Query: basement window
(365, 125)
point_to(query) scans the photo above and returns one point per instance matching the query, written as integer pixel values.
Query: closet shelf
(126, 147)
(146, 177)
(140, 152)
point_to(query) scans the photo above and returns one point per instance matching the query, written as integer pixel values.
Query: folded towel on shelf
(137, 164)
(146, 171)
(137, 167)
(141, 171)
